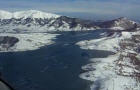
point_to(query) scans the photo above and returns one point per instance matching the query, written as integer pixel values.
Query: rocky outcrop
(7, 42)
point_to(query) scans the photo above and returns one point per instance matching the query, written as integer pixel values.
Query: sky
(88, 9)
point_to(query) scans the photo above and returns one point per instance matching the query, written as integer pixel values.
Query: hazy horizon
(87, 9)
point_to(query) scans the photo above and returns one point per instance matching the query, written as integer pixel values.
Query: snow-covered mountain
(119, 24)
(26, 14)
(5, 15)
(32, 19)
(37, 21)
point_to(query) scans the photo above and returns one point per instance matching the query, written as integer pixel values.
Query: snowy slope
(33, 14)
(122, 23)
(33, 20)
(26, 14)
(115, 72)
(37, 20)
(5, 15)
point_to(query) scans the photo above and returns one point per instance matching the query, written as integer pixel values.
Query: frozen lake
(54, 67)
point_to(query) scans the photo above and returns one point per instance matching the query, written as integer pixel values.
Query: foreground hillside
(119, 71)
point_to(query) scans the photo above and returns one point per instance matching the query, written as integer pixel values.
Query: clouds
(94, 7)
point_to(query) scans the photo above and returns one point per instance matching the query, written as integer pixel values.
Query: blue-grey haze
(90, 9)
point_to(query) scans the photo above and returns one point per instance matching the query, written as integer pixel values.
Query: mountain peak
(123, 18)
(27, 14)
(34, 14)
(5, 14)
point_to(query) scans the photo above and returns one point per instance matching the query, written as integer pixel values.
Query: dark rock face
(73, 22)
(7, 42)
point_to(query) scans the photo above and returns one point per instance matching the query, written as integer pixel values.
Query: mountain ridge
(42, 21)
(26, 14)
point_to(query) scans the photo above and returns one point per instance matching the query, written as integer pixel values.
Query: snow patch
(117, 28)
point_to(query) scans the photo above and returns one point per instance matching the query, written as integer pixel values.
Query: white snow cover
(34, 14)
(107, 44)
(26, 14)
(30, 41)
(5, 15)
(118, 24)
(103, 71)
(104, 43)
(105, 77)
(117, 28)
(34, 26)
(37, 28)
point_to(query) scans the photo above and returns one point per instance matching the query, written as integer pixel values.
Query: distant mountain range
(37, 21)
